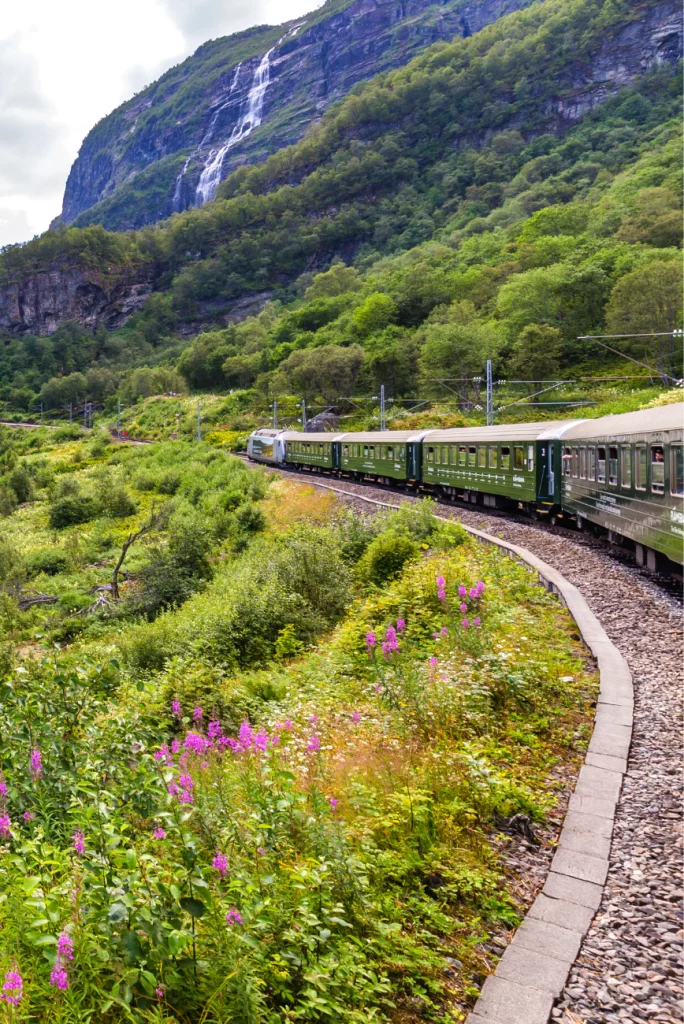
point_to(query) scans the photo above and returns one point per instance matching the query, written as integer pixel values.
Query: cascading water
(247, 122)
(208, 135)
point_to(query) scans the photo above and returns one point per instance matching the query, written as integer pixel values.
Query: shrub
(169, 483)
(386, 556)
(8, 500)
(117, 503)
(12, 569)
(144, 481)
(21, 483)
(249, 518)
(67, 433)
(51, 561)
(72, 509)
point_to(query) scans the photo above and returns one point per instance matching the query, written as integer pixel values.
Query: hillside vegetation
(273, 779)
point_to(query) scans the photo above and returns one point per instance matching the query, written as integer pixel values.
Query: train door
(413, 461)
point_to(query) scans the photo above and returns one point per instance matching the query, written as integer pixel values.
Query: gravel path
(629, 968)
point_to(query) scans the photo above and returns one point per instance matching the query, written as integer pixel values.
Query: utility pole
(71, 412)
(303, 414)
(85, 415)
(199, 421)
(41, 412)
(178, 422)
(490, 395)
(118, 420)
(275, 414)
(382, 407)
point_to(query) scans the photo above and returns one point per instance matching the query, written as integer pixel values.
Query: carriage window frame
(430, 454)
(390, 452)
(591, 464)
(530, 458)
(626, 467)
(601, 465)
(613, 465)
(438, 455)
(493, 458)
(481, 457)
(677, 469)
(505, 457)
(462, 456)
(365, 451)
(453, 455)
(657, 486)
(567, 462)
(345, 449)
(583, 463)
(472, 456)
(445, 455)
(641, 468)
(575, 462)
(518, 457)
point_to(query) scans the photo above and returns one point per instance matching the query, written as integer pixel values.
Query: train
(619, 476)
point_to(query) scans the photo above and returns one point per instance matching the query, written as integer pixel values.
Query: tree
(535, 355)
(374, 314)
(330, 371)
(648, 299)
(455, 346)
(336, 281)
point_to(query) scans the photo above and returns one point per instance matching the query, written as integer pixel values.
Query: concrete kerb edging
(534, 968)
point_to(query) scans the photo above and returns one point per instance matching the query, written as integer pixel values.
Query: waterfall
(208, 135)
(247, 122)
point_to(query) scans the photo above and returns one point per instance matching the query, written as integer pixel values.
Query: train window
(583, 463)
(482, 458)
(626, 467)
(431, 454)
(461, 456)
(657, 469)
(365, 451)
(641, 469)
(472, 456)
(601, 456)
(530, 458)
(567, 462)
(345, 449)
(613, 466)
(390, 451)
(445, 456)
(505, 458)
(453, 455)
(518, 457)
(401, 452)
(575, 462)
(493, 458)
(591, 463)
(677, 469)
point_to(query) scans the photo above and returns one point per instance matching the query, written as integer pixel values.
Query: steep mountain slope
(439, 142)
(240, 98)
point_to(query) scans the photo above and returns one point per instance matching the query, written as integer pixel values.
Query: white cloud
(64, 66)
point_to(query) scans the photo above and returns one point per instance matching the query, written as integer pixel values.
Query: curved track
(628, 968)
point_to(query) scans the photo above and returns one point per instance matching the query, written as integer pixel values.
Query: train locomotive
(621, 476)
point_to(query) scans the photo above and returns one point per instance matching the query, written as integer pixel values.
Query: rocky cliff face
(42, 302)
(243, 97)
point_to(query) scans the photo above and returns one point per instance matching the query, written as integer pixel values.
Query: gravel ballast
(629, 967)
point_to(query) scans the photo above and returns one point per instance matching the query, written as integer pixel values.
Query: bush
(117, 503)
(21, 484)
(249, 518)
(12, 569)
(169, 483)
(67, 433)
(144, 481)
(51, 561)
(72, 509)
(386, 556)
(8, 500)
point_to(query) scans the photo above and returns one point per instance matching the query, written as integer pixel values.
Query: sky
(64, 65)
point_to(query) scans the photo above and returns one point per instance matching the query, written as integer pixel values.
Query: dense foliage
(215, 816)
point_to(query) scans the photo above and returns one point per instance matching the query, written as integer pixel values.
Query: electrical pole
(303, 414)
(199, 421)
(71, 412)
(275, 414)
(178, 422)
(85, 415)
(490, 395)
(382, 407)
(41, 412)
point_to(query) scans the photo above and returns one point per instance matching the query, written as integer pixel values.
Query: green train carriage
(389, 456)
(624, 475)
(310, 451)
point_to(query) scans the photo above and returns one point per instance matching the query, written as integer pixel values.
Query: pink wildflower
(261, 740)
(462, 591)
(463, 607)
(220, 863)
(159, 833)
(159, 992)
(3, 787)
(59, 977)
(36, 763)
(314, 744)
(287, 724)
(371, 641)
(465, 623)
(13, 988)
(29, 815)
(477, 621)
(78, 843)
(197, 714)
(474, 593)
(233, 916)
(333, 802)
(261, 851)
(193, 741)
(356, 717)
(176, 709)
(214, 730)
(313, 719)
(444, 631)
(433, 661)
(401, 625)
(377, 688)
(5, 824)
(65, 946)
(246, 735)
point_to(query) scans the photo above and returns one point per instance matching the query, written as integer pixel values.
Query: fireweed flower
(176, 709)
(371, 641)
(356, 717)
(477, 621)
(314, 744)
(13, 988)
(444, 631)
(220, 863)
(5, 825)
(463, 607)
(433, 661)
(214, 731)
(474, 593)
(65, 946)
(159, 833)
(462, 591)
(36, 763)
(197, 714)
(29, 815)
(333, 802)
(465, 623)
(401, 625)
(78, 843)
(3, 787)
(233, 916)
(313, 719)
(159, 992)
(194, 742)
(261, 740)
(246, 736)
(59, 977)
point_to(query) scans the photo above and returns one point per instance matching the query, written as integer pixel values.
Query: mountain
(417, 154)
(240, 98)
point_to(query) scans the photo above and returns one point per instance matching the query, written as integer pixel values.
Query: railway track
(628, 968)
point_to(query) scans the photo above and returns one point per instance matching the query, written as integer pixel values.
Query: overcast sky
(64, 65)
